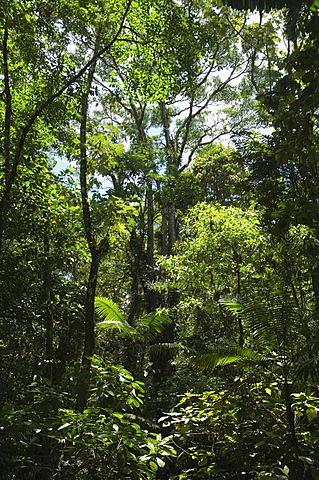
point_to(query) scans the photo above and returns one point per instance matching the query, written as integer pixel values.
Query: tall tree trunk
(152, 298)
(162, 360)
(7, 132)
(96, 250)
(48, 309)
(172, 234)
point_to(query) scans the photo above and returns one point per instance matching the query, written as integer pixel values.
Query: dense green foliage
(159, 240)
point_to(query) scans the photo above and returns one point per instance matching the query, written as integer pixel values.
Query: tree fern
(270, 326)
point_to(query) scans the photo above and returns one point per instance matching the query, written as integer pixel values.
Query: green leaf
(307, 460)
(314, 6)
(311, 413)
(153, 466)
(64, 425)
(112, 316)
(153, 324)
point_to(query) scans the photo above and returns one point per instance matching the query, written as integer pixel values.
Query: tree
(16, 137)
(156, 88)
(217, 175)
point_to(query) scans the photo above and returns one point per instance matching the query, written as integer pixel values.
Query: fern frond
(106, 309)
(112, 317)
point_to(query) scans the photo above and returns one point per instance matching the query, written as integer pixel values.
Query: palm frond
(307, 368)
(271, 323)
(112, 317)
(160, 348)
(151, 325)
(235, 307)
(225, 357)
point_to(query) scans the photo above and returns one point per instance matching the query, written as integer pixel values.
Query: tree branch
(4, 203)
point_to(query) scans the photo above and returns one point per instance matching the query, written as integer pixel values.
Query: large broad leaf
(112, 317)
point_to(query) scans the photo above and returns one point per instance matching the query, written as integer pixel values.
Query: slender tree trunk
(48, 310)
(89, 341)
(172, 234)
(164, 230)
(96, 250)
(11, 166)
(150, 225)
(152, 298)
(7, 131)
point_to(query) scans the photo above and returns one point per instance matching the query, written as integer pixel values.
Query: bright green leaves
(105, 151)
(314, 6)
(171, 50)
(215, 242)
(112, 317)
(163, 53)
(148, 326)
(217, 174)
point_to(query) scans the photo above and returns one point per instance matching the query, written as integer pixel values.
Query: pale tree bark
(172, 164)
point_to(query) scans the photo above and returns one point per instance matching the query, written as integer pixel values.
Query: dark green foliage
(108, 439)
